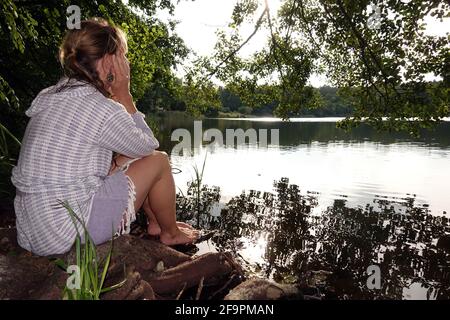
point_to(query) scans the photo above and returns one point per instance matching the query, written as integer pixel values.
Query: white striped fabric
(66, 153)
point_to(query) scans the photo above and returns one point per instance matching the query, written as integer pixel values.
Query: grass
(91, 276)
(7, 140)
(4, 132)
(198, 180)
(197, 201)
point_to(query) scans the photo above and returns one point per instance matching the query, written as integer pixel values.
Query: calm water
(358, 166)
(346, 196)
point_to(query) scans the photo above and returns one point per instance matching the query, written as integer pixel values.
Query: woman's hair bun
(82, 48)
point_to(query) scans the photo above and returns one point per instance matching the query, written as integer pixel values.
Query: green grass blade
(106, 266)
(13, 137)
(114, 287)
(91, 284)
(60, 263)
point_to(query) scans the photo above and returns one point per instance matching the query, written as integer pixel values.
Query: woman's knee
(151, 166)
(146, 171)
(159, 156)
(158, 160)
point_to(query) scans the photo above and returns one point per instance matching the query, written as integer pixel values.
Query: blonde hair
(82, 48)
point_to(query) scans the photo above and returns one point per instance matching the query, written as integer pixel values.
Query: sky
(199, 20)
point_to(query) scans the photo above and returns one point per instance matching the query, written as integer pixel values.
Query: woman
(67, 153)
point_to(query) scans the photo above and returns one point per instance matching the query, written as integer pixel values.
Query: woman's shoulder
(90, 95)
(108, 105)
(77, 95)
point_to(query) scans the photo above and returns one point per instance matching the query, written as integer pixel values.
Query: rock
(261, 289)
(4, 242)
(211, 266)
(151, 269)
(159, 266)
(135, 288)
(8, 240)
(21, 275)
(143, 253)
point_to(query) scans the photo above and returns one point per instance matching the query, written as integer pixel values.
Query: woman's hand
(120, 85)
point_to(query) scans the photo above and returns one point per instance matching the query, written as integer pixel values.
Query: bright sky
(200, 19)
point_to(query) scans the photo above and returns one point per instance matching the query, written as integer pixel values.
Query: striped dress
(66, 153)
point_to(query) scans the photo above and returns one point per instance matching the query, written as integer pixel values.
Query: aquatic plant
(91, 275)
(7, 142)
(198, 200)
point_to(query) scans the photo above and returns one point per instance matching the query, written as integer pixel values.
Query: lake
(338, 203)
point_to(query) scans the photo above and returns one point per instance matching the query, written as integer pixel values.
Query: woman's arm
(128, 135)
(126, 100)
(138, 117)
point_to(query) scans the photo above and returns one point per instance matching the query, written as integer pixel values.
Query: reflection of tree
(196, 204)
(290, 228)
(342, 240)
(296, 133)
(245, 216)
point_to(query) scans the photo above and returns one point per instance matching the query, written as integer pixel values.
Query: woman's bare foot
(180, 236)
(154, 229)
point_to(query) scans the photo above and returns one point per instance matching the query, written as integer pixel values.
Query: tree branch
(274, 42)
(363, 56)
(364, 45)
(231, 54)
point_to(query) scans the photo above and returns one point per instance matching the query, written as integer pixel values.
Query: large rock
(262, 289)
(152, 270)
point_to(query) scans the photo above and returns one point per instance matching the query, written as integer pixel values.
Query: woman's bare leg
(153, 180)
(153, 226)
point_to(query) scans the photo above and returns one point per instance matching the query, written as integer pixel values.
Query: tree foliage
(31, 32)
(376, 52)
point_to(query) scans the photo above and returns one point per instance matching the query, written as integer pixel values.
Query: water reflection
(355, 166)
(376, 198)
(337, 245)
(305, 131)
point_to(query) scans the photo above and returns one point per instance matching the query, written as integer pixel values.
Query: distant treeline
(332, 105)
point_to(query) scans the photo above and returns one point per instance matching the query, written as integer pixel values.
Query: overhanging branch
(231, 54)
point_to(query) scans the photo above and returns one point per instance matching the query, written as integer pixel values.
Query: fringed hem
(129, 214)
